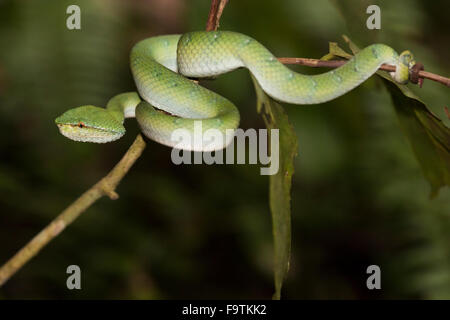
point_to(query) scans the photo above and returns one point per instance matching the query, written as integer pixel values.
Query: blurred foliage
(358, 195)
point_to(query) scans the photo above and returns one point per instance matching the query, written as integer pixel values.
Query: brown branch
(215, 12)
(337, 63)
(105, 187)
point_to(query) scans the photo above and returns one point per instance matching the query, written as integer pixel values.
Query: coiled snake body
(168, 100)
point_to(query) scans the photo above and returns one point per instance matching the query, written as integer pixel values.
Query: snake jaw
(88, 134)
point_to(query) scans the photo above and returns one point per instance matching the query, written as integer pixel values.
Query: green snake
(168, 100)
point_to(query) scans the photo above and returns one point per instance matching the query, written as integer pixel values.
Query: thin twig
(105, 187)
(215, 12)
(337, 63)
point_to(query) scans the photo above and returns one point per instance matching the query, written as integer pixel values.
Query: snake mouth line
(61, 126)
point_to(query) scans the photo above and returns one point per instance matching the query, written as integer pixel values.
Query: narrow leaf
(280, 183)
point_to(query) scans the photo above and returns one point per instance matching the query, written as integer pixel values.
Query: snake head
(90, 124)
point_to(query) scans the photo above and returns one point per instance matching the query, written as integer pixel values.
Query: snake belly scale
(168, 100)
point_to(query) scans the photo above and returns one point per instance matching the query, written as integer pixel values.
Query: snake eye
(81, 125)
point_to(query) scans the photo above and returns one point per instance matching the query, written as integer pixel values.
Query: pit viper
(167, 99)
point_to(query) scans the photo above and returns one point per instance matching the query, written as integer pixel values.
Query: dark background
(199, 231)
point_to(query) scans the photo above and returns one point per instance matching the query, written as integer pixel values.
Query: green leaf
(427, 134)
(280, 183)
(335, 51)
